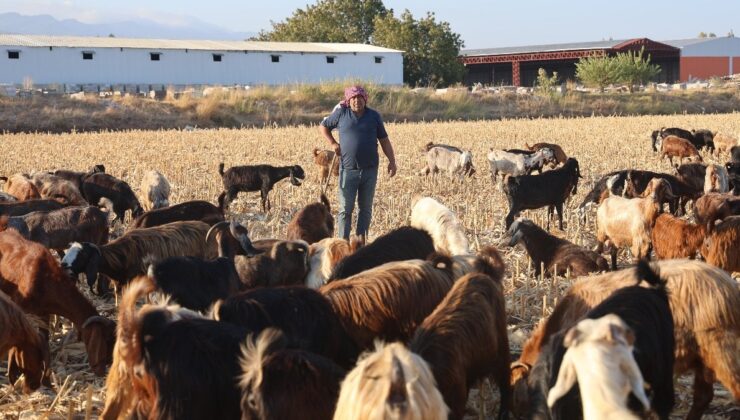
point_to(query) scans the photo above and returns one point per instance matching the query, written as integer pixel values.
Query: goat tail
(490, 263)
(652, 277)
(129, 324)
(325, 202)
(222, 202)
(221, 169)
(315, 151)
(527, 146)
(256, 349)
(441, 262)
(428, 146)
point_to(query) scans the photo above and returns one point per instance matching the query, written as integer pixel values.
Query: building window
(14, 55)
(154, 56)
(275, 58)
(329, 59)
(378, 59)
(87, 55)
(217, 57)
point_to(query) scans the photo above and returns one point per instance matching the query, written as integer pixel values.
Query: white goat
(517, 164)
(599, 358)
(449, 159)
(627, 222)
(446, 230)
(155, 191)
(716, 179)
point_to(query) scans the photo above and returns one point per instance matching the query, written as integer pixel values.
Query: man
(360, 131)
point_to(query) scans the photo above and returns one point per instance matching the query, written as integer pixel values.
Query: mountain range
(14, 23)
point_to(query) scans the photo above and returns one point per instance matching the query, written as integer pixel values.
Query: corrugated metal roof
(544, 48)
(176, 44)
(680, 43)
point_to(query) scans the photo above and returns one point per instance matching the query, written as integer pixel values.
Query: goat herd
(294, 328)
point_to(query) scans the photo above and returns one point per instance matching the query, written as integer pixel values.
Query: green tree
(328, 21)
(545, 83)
(597, 71)
(634, 69)
(430, 48)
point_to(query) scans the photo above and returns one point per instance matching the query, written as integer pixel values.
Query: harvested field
(190, 159)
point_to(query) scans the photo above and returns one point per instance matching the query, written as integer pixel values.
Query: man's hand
(337, 149)
(392, 169)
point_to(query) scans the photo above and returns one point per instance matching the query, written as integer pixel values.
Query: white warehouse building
(44, 60)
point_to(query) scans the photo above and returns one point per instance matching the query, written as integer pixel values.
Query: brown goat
(722, 247)
(26, 345)
(673, 146)
(21, 187)
(705, 303)
(715, 206)
(676, 238)
(325, 254)
(323, 159)
(312, 223)
(464, 341)
(724, 142)
(32, 277)
(57, 188)
(560, 156)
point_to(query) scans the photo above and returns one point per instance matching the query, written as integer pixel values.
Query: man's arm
(326, 132)
(385, 144)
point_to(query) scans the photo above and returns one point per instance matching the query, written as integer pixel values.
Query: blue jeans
(359, 183)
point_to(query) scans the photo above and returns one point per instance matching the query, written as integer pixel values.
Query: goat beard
(294, 180)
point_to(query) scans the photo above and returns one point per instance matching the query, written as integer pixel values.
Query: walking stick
(328, 176)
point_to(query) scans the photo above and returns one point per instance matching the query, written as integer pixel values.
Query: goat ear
(618, 334)
(571, 337)
(630, 369)
(566, 379)
(93, 264)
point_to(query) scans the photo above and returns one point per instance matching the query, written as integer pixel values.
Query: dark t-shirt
(358, 137)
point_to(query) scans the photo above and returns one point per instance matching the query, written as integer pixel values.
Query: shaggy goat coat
(445, 228)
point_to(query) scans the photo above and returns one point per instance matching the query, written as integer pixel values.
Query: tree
(328, 21)
(597, 71)
(545, 83)
(430, 48)
(707, 35)
(634, 69)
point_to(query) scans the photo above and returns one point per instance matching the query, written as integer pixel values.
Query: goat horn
(217, 226)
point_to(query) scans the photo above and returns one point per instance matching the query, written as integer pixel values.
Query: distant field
(190, 160)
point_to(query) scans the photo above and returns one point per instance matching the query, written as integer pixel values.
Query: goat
(552, 251)
(693, 174)
(255, 178)
(560, 156)
(549, 189)
(27, 346)
(404, 243)
(124, 258)
(517, 164)
(304, 315)
(638, 181)
(390, 382)
(599, 357)
(724, 143)
(24, 207)
(716, 179)
(733, 174)
(285, 263)
(33, 279)
(672, 237)
(7, 198)
(703, 139)
(464, 341)
(312, 223)
(673, 146)
(58, 228)
(705, 304)
(735, 153)
(77, 178)
(282, 383)
(155, 189)
(600, 189)
(57, 188)
(325, 254)
(101, 185)
(449, 159)
(627, 222)
(721, 247)
(154, 381)
(324, 159)
(445, 228)
(21, 187)
(190, 210)
(714, 206)
(659, 135)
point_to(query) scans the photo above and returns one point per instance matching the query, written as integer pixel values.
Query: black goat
(693, 174)
(552, 251)
(404, 243)
(282, 383)
(735, 153)
(20, 208)
(733, 170)
(549, 189)
(255, 178)
(637, 181)
(101, 185)
(190, 210)
(304, 315)
(599, 190)
(647, 312)
(77, 178)
(703, 139)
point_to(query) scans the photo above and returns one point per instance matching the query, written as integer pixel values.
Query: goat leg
(703, 393)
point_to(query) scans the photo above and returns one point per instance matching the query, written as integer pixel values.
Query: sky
(480, 23)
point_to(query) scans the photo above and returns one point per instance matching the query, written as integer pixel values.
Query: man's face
(357, 104)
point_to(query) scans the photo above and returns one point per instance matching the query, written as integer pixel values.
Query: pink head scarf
(351, 92)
